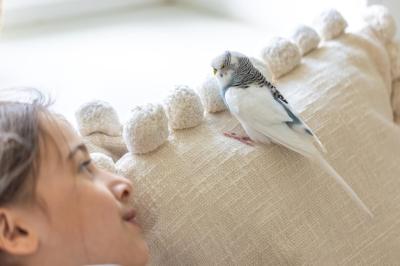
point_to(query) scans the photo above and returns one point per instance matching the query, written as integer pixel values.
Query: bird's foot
(244, 139)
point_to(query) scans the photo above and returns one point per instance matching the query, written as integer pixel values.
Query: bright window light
(17, 12)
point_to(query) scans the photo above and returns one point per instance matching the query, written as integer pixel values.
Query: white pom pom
(394, 54)
(113, 144)
(92, 148)
(184, 108)
(210, 95)
(147, 129)
(281, 56)
(98, 116)
(104, 162)
(330, 24)
(380, 19)
(306, 38)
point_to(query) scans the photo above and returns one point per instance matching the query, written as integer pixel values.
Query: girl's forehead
(61, 134)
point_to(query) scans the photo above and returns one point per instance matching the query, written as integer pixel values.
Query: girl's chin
(135, 228)
(142, 255)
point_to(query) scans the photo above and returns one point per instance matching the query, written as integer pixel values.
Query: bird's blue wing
(298, 123)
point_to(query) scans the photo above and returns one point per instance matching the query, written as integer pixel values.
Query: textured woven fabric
(113, 144)
(210, 200)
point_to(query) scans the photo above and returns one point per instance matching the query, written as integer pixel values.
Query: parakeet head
(225, 66)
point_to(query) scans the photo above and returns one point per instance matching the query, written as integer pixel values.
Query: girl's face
(86, 216)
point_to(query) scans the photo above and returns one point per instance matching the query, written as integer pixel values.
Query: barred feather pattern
(246, 74)
(227, 59)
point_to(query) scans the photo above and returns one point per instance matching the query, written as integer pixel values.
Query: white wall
(20, 12)
(282, 15)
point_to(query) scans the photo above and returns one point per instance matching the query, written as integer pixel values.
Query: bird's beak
(214, 71)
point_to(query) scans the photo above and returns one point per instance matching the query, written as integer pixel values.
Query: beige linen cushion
(209, 200)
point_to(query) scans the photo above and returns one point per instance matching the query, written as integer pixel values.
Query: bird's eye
(214, 71)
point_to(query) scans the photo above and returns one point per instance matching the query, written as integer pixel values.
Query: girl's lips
(130, 217)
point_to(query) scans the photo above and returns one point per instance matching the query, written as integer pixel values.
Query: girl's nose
(122, 189)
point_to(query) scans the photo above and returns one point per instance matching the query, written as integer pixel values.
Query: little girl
(56, 206)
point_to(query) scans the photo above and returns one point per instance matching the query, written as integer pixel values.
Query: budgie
(266, 115)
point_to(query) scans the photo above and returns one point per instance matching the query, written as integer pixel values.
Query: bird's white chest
(232, 98)
(240, 100)
(256, 110)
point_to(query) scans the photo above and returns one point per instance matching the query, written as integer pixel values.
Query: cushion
(206, 199)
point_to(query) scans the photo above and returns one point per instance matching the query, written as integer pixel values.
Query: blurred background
(130, 52)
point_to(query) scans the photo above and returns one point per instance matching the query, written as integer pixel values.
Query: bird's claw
(244, 139)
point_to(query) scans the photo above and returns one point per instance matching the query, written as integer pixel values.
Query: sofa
(205, 199)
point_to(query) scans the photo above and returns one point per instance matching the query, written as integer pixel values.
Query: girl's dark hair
(20, 133)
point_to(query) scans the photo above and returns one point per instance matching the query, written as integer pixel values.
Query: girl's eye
(85, 166)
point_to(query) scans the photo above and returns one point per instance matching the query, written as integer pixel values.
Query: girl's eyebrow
(80, 147)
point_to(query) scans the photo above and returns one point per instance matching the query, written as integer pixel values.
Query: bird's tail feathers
(305, 132)
(322, 147)
(329, 169)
